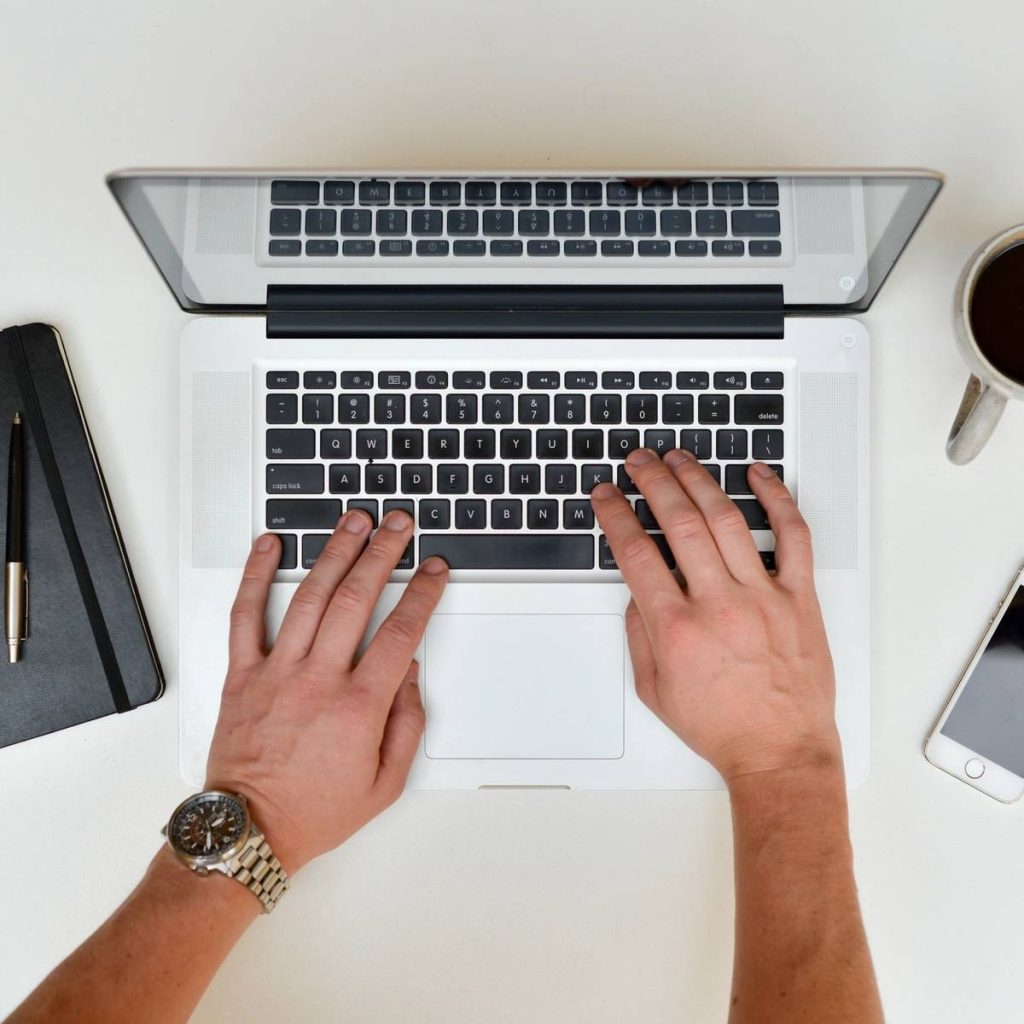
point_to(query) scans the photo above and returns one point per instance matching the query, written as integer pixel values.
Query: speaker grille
(227, 214)
(829, 454)
(824, 217)
(220, 469)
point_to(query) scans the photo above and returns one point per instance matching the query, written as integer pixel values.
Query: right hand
(736, 663)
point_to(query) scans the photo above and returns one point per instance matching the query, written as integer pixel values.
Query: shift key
(302, 513)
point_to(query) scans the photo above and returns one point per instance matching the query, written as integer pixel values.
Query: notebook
(89, 651)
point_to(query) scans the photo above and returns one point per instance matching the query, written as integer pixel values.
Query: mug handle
(979, 412)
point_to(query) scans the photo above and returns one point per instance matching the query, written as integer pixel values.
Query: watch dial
(208, 825)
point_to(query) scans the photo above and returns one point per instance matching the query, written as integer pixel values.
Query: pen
(16, 576)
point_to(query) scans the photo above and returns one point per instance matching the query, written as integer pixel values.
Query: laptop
(482, 348)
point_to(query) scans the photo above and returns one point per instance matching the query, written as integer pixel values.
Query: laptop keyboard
(516, 219)
(496, 467)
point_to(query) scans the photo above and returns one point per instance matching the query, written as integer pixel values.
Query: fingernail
(604, 490)
(762, 470)
(397, 521)
(265, 543)
(675, 457)
(413, 675)
(356, 522)
(639, 456)
(434, 566)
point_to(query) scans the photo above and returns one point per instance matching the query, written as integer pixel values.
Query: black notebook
(89, 652)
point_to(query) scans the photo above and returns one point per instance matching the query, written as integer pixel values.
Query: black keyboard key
(295, 192)
(711, 222)
(506, 380)
(542, 514)
(727, 247)
(516, 193)
(291, 444)
(285, 222)
(691, 247)
(570, 222)
(714, 471)
(463, 222)
(693, 380)
(736, 478)
(535, 409)
(395, 247)
(660, 441)
(655, 380)
(321, 222)
(354, 408)
(470, 514)
(452, 478)
(622, 442)
(381, 478)
(713, 409)
(392, 222)
(287, 478)
(314, 380)
(657, 195)
(282, 379)
(641, 408)
(552, 444)
(321, 247)
(618, 380)
(399, 380)
(498, 408)
(731, 444)
(580, 247)
(624, 481)
(469, 247)
(506, 247)
(759, 409)
(424, 408)
(481, 192)
(335, 444)
(356, 222)
(543, 247)
(677, 408)
(313, 545)
(282, 409)
(588, 444)
(730, 380)
(656, 247)
(285, 247)
(606, 409)
(427, 222)
(318, 409)
(570, 408)
(401, 505)
(489, 478)
(768, 560)
(580, 380)
(524, 479)
(593, 474)
(389, 408)
(515, 444)
(578, 515)
(754, 513)
(621, 193)
(767, 445)
(763, 193)
(507, 514)
(534, 222)
(479, 444)
(605, 222)
(646, 516)
(755, 223)
(676, 222)
(407, 444)
(461, 408)
(435, 514)
(698, 442)
(340, 193)
(499, 222)
(464, 380)
(617, 247)
(560, 479)
(515, 551)
(727, 193)
(371, 444)
(431, 379)
(551, 193)
(374, 193)
(344, 478)
(417, 478)
(587, 192)
(445, 193)
(693, 193)
(442, 444)
(302, 513)
(432, 247)
(289, 551)
(764, 247)
(410, 193)
(358, 247)
(367, 505)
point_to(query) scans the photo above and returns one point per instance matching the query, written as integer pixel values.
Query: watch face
(208, 825)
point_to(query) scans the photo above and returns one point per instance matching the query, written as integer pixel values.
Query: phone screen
(988, 717)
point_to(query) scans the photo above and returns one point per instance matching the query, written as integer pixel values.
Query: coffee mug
(988, 315)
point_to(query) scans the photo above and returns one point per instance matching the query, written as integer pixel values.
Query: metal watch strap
(256, 867)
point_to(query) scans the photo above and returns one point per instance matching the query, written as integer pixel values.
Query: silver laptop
(481, 349)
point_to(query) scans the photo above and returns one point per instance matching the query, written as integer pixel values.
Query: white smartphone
(979, 736)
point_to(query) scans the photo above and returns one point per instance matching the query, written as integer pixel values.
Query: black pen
(16, 577)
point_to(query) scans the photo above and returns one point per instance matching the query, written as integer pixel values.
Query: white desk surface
(510, 907)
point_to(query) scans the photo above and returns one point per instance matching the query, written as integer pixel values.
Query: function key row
(374, 192)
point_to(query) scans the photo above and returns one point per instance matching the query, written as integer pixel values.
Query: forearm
(154, 958)
(801, 951)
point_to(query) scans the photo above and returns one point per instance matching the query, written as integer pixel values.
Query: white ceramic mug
(988, 389)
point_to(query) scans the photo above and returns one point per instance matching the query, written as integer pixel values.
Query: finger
(402, 735)
(309, 602)
(350, 606)
(725, 521)
(687, 533)
(794, 562)
(248, 630)
(399, 635)
(641, 654)
(652, 585)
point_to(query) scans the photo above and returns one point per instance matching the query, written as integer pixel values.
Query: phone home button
(974, 769)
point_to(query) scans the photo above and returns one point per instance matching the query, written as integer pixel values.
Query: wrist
(816, 771)
(169, 881)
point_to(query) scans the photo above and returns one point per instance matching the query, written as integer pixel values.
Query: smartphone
(979, 736)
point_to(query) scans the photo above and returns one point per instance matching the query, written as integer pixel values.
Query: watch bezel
(210, 861)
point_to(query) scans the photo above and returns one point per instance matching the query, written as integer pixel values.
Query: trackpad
(524, 686)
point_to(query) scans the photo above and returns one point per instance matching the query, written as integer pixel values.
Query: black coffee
(997, 312)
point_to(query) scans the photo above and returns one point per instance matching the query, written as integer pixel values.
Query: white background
(510, 907)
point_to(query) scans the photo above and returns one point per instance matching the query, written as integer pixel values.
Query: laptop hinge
(524, 311)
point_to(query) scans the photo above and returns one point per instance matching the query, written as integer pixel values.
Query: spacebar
(510, 551)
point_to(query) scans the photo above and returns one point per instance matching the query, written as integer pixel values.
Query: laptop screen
(220, 239)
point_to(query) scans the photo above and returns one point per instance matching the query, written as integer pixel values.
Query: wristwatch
(213, 831)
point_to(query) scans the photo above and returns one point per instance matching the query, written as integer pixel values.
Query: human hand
(317, 742)
(736, 663)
